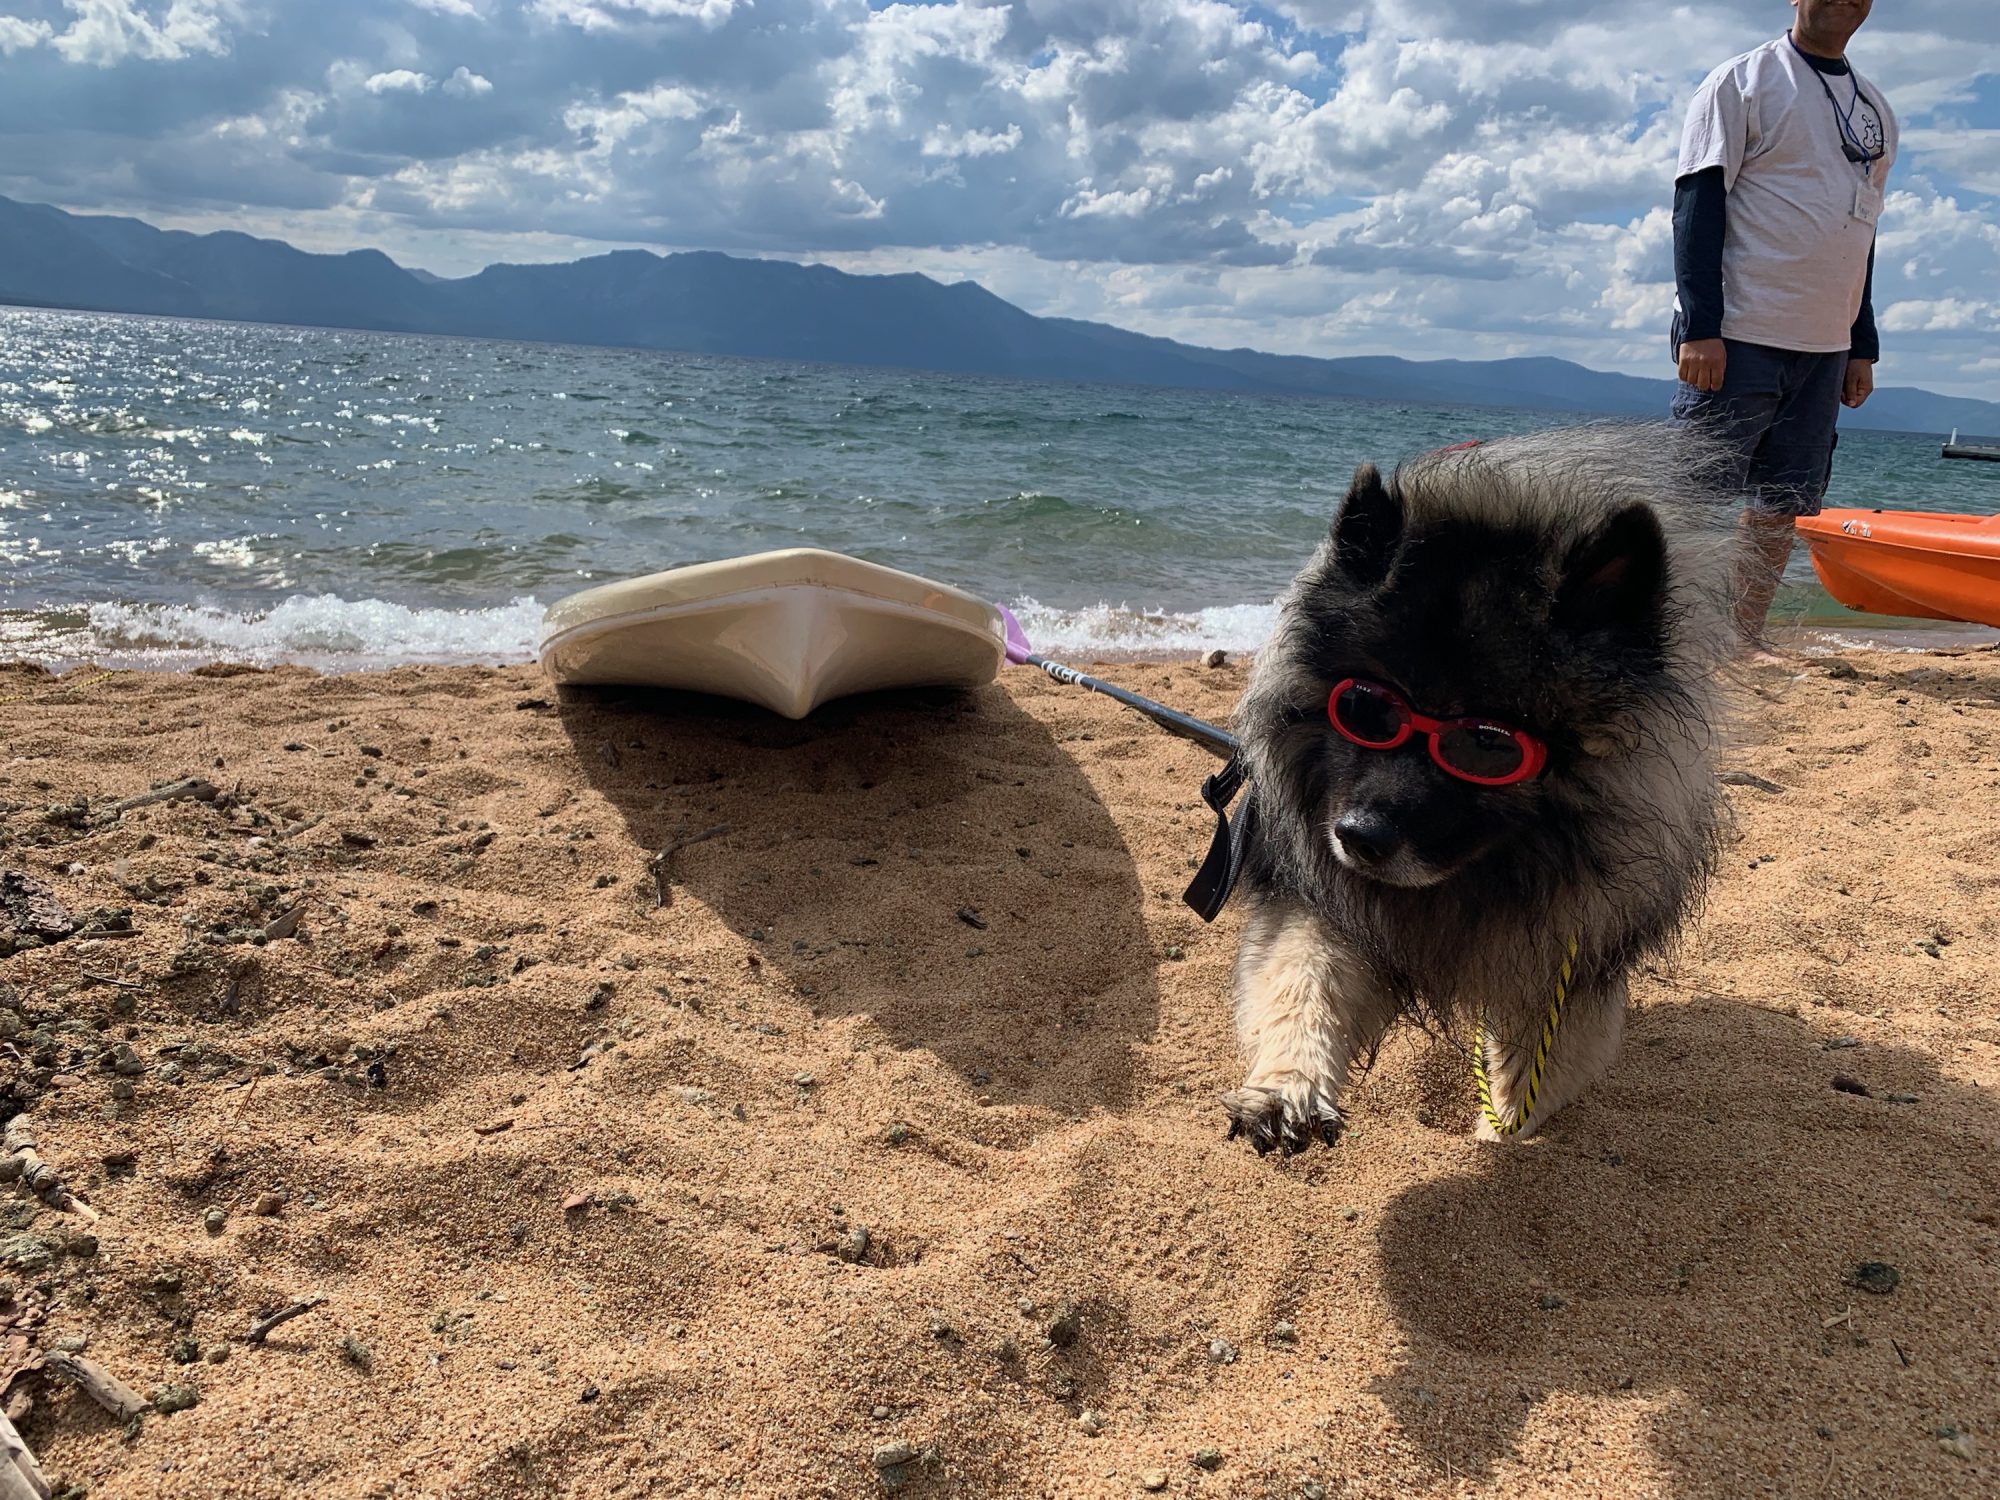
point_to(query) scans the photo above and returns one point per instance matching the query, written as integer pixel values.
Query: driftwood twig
(21, 1163)
(1750, 779)
(193, 789)
(106, 1389)
(21, 1478)
(260, 1329)
(124, 984)
(657, 865)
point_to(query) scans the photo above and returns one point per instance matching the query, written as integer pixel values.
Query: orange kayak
(1908, 562)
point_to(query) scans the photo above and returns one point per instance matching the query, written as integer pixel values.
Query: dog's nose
(1366, 836)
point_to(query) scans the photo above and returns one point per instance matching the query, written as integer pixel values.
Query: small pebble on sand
(1209, 1459)
(1153, 1480)
(168, 1399)
(1221, 1352)
(893, 1455)
(1957, 1442)
(1878, 1277)
(852, 1246)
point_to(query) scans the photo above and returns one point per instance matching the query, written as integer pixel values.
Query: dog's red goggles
(1476, 750)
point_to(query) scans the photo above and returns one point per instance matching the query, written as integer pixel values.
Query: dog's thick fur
(1574, 583)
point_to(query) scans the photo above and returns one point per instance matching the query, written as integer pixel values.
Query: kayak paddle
(1216, 741)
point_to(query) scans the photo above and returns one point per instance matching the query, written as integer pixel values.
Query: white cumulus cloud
(18, 35)
(398, 81)
(106, 32)
(466, 84)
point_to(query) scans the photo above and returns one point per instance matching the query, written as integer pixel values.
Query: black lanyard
(1850, 144)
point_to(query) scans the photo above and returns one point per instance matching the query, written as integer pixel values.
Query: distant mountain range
(708, 303)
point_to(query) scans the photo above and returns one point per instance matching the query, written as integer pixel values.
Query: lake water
(172, 492)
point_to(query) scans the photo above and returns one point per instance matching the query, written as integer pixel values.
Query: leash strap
(1209, 891)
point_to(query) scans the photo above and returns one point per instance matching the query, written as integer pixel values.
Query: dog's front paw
(1287, 1115)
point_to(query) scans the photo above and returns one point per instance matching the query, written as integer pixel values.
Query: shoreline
(892, 1107)
(1809, 642)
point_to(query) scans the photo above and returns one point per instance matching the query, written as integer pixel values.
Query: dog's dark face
(1465, 615)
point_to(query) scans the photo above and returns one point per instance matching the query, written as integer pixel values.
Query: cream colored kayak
(788, 630)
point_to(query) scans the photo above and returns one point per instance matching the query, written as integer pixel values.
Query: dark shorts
(1775, 413)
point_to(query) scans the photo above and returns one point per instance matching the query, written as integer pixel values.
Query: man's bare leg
(1767, 548)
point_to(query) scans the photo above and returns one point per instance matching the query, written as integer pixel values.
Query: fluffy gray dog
(1480, 748)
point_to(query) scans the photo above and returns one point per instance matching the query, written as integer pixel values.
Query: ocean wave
(323, 631)
(1119, 630)
(344, 635)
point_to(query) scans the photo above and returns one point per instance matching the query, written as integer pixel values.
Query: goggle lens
(1370, 716)
(1483, 750)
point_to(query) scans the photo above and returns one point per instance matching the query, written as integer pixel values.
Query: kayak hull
(1923, 564)
(786, 630)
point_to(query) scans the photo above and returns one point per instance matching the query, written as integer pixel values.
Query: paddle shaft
(1217, 741)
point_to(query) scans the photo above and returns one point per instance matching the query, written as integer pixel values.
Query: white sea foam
(321, 631)
(1122, 630)
(335, 634)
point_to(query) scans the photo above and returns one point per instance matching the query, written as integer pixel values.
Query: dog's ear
(1366, 530)
(1616, 577)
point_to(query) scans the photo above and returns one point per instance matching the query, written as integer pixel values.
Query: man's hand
(1704, 360)
(1859, 384)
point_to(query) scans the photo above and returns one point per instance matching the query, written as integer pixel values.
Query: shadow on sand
(1687, 1238)
(966, 889)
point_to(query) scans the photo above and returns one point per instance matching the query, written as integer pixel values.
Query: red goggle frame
(1482, 751)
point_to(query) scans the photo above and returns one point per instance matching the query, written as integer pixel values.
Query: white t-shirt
(1801, 215)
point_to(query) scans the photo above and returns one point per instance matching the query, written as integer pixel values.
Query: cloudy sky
(1423, 177)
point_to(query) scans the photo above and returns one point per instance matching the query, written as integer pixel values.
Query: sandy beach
(876, 1145)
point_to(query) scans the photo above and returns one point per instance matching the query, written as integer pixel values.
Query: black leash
(1209, 891)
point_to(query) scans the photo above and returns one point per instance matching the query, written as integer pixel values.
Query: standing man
(1780, 183)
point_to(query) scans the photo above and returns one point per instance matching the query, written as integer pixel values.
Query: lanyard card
(1867, 201)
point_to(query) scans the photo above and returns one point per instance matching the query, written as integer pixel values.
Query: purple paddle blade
(1018, 649)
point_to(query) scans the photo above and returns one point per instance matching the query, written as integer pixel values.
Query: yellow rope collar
(1550, 1023)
